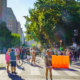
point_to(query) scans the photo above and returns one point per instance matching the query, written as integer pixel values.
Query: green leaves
(51, 16)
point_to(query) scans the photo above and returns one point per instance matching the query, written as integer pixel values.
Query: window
(7, 10)
(11, 25)
(11, 29)
(11, 22)
(11, 16)
(11, 19)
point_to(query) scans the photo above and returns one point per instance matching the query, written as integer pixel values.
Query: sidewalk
(2, 61)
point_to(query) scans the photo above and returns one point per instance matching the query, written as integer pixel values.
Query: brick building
(3, 8)
(12, 23)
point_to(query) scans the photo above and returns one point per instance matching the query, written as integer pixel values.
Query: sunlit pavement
(37, 72)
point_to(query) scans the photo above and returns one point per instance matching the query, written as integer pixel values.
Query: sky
(20, 9)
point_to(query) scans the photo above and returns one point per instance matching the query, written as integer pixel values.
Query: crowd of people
(74, 55)
(13, 54)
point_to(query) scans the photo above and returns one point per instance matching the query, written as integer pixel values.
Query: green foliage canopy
(53, 20)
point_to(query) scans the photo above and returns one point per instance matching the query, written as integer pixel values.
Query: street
(37, 72)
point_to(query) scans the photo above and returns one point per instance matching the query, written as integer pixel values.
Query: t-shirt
(48, 60)
(44, 52)
(7, 57)
(12, 56)
(33, 52)
(28, 52)
(17, 51)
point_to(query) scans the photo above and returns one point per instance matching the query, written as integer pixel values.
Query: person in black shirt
(28, 55)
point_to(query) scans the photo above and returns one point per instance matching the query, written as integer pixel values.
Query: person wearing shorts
(13, 56)
(28, 55)
(8, 59)
(33, 55)
(48, 64)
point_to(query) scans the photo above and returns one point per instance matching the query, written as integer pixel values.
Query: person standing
(44, 53)
(52, 52)
(68, 54)
(4, 50)
(13, 56)
(33, 55)
(28, 55)
(17, 52)
(8, 59)
(48, 64)
(22, 53)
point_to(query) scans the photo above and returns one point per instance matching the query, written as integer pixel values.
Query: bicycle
(20, 60)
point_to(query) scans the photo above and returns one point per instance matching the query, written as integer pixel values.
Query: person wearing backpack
(13, 56)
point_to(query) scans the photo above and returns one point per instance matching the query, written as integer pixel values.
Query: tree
(5, 36)
(49, 20)
(15, 40)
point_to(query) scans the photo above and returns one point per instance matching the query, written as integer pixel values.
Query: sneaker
(15, 72)
(46, 78)
(12, 72)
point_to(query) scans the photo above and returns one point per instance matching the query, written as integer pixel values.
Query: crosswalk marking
(55, 72)
(70, 73)
(34, 71)
(75, 68)
(18, 71)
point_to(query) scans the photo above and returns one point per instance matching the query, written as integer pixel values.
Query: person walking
(8, 59)
(28, 55)
(69, 54)
(48, 64)
(33, 55)
(13, 56)
(4, 50)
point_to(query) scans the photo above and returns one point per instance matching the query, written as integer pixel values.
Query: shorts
(13, 63)
(8, 62)
(48, 66)
(33, 57)
(28, 57)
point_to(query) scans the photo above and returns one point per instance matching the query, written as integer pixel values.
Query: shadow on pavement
(69, 69)
(36, 65)
(64, 69)
(78, 64)
(24, 61)
(14, 77)
(19, 67)
(76, 67)
(2, 68)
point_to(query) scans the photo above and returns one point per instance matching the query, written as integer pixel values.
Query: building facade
(20, 32)
(12, 23)
(3, 10)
